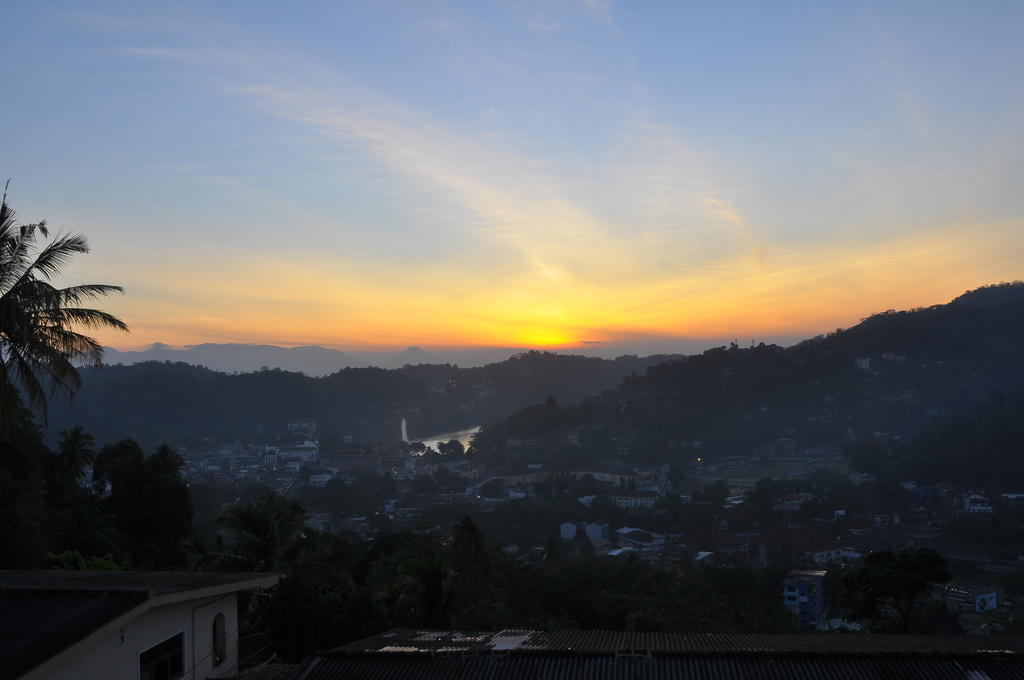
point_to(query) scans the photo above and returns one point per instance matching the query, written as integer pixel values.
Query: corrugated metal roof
(611, 642)
(269, 671)
(618, 655)
(528, 667)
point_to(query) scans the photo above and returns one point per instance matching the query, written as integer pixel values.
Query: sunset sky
(508, 173)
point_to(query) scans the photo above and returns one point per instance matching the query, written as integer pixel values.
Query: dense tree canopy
(137, 513)
(891, 588)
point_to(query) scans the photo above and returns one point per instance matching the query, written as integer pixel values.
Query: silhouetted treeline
(982, 447)
(336, 590)
(891, 374)
(134, 514)
(155, 402)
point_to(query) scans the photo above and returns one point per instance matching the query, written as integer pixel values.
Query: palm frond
(39, 339)
(58, 253)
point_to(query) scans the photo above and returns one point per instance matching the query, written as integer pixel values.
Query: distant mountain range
(316, 361)
(893, 373)
(180, 403)
(236, 357)
(310, 359)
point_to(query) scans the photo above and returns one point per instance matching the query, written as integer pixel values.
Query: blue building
(803, 593)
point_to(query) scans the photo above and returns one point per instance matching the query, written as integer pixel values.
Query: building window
(162, 661)
(220, 643)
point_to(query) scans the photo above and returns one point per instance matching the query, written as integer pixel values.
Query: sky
(579, 174)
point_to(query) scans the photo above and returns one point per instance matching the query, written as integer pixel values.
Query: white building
(598, 532)
(635, 499)
(974, 503)
(320, 480)
(83, 625)
(595, 532)
(308, 451)
(638, 537)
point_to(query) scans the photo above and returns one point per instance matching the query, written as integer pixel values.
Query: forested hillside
(156, 402)
(892, 374)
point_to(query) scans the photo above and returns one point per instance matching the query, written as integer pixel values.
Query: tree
(426, 583)
(168, 513)
(76, 452)
(311, 609)
(867, 456)
(453, 448)
(473, 574)
(148, 498)
(25, 516)
(887, 589)
(39, 343)
(423, 484)
(267, 535)
(166, 461)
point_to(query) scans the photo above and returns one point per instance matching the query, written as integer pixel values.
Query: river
(463, 436)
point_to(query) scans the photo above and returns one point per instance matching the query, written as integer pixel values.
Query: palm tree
(39, 344)
(426, 585)
(76, 452)
(166, 460)
(268, 534)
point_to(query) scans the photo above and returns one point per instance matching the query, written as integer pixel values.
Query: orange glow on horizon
(796, 293)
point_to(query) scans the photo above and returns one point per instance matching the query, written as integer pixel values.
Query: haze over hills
(888, 377)
(319, 361)
(234, 357)
(891, 371)
(312, 360)
(183, 404)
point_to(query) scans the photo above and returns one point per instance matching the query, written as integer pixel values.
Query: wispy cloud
(602, 9)
(542, 21)
(507, 200)
(639, 230)
(121, 23)
(524, 207)
(670, 188)
(159, 52)
(441, 25)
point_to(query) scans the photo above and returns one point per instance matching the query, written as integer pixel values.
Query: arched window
(220, 642)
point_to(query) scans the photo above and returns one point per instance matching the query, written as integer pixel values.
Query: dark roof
(596, 655)
(36, 625)
(652, 668)
(155, 582)
(610, 642)
(270, 671)
(42, 613)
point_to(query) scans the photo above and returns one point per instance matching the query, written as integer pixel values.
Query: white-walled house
(83, 625)
(634, 499)
(974, 503)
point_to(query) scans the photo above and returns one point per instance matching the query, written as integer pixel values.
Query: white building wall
(114, 658)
